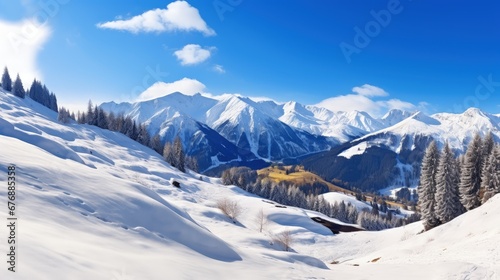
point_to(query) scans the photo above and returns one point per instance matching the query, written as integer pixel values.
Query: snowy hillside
(93, 204)
(336, 197)
(117, 197)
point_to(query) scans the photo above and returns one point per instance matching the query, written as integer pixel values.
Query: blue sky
(370, 55)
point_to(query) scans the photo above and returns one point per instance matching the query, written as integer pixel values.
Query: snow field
(112, 214)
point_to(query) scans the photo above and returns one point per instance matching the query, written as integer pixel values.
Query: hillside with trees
(38, 91)
(451, 186)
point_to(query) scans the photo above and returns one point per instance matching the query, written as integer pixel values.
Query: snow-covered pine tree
(427, 187)
(352, 214)
(179, 154)
(448, 205)
(120, 120)
(112, 125)
(64, 115)
(52, 102)
(470, 177)
(102, 119)
(134, 132)
(35, 90)
(488, 145)
(6, 80)
(143, 135)
(155, 144)
(491, 174)
(18, 88)
(90, 112)
(128, 127)
(168, 154)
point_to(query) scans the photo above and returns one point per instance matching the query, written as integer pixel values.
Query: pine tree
(6, 80)
(35, 90)
(102, 120)
(427, 188)
(143, 135)
(470, 177)
(90, 113)
(491, 175)
(18, 88)
(133, 132)
(192, 163)
(52, 104)
(488, 145)
(129, 127)
(179, 154)
(168, 154)
(120, 120)
(95, 116)
(155, 144)
(64, 115)
(81, 117)
(112, 122)
(375, 209)
(448, 205)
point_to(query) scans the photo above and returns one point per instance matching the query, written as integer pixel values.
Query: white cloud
(192, 54)
(361, 101)
(185, 85)
(20, 44)
(369, 90)
(178, 16)
(219, 69)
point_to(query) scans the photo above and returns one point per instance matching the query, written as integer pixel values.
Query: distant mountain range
(391, 157)
(350, 148)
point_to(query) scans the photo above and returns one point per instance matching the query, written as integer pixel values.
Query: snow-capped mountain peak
(394, 116)
(422, 117)
(294, 107)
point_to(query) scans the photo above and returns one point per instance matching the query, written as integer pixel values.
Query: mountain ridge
(271, 131)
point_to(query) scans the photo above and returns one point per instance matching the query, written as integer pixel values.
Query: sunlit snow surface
(92, 204)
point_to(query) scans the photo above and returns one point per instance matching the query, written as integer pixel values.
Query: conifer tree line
(173, 153)
(38, 91)
(450, 186)
(378, 218)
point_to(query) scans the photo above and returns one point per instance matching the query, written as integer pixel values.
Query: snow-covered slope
(93, 204)
(465, 248)
(104, 207)
(336, 197)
